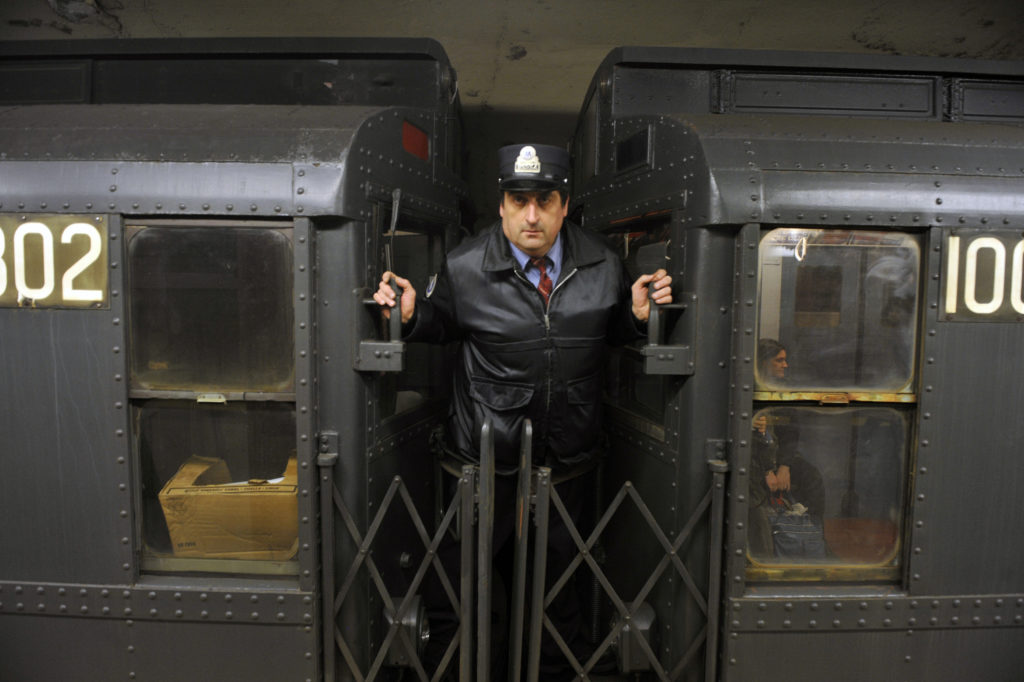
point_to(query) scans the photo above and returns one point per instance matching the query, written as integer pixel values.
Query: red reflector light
(415, 141)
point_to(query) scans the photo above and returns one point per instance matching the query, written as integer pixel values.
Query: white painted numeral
(952, 274)
(20, 281)
(992, 300)
(1015, 279)
(998, 275)
(95, 248)
(3, 265)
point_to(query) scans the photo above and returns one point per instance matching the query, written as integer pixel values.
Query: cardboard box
(211, 517)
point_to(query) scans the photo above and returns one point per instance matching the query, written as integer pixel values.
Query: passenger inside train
(787, 496)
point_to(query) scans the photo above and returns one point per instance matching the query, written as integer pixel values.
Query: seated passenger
(783, 484)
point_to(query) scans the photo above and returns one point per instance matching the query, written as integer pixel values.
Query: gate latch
(327, 449)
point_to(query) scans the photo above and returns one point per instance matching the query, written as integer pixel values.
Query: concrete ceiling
(523, 67)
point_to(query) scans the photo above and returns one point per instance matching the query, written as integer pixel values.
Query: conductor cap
(529, 167)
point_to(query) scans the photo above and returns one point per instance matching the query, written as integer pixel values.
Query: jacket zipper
(547, 328)
(547, 333)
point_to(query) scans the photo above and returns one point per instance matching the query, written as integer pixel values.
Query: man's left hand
(660, 282)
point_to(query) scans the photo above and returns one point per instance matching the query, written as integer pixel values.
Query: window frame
(153, 564)
(780, 573)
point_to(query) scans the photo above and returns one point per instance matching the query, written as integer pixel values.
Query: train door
(380, 407)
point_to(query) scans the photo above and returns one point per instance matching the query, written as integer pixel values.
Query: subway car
(201, 412)
(828, 411)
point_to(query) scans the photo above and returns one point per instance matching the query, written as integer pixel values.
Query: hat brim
(527, 185)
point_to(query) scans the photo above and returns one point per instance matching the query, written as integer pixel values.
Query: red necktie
(544, 286)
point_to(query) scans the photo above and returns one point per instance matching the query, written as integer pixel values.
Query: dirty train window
(212, 386)
(834, 392)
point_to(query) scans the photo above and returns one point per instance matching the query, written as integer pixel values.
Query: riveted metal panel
(999, 101)
(970, 434)
(187, 133)
(836, 95)
(340, 397)
(674, 178)
(89, 650)
(168, 652)
(740, 405)
(820, 609)
(305, 301)
(904, 655)
(164, 599)
(66, 448)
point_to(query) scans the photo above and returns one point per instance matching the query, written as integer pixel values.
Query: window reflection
(844, 304)
(826, 485)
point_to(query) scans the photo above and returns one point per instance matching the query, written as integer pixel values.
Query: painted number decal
(984, 274)
(53, 261)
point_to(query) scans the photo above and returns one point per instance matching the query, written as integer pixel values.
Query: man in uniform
(534, 302)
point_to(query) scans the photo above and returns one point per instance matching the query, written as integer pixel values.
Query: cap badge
(527, 161)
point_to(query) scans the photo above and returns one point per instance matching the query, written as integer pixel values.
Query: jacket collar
(578, 250)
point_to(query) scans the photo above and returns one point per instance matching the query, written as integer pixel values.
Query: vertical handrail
(485, 538)
(540, 559)
(522, 549)
(466, 575)
(718, 470)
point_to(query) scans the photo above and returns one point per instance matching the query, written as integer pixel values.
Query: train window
(634, 152)
(218, 485)
(417, 250)
(826, 486)
(842, 307)
(212, 387)
(211, 308)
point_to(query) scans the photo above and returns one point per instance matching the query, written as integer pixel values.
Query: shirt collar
(554, 254)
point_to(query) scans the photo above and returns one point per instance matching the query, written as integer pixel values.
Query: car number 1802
(53, 261)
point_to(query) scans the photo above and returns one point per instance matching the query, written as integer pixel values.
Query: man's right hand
(385, 296)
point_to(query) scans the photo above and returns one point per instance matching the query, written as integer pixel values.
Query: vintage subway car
(193, 383)
(846, 238)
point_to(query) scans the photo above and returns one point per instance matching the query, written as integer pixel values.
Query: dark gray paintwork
(737, 143)
(74, 601)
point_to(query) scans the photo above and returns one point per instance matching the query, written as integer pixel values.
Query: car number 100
(53, 261)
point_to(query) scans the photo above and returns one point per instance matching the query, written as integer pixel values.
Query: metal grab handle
(387, 355)
(654, 322)
(395, 321)
(660, 358)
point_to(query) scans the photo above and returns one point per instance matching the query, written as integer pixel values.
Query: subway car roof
(174, 120)
(342, 71)
(323, 47)
(805, 61)
(775, 136)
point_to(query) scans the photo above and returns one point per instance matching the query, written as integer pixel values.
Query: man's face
(532, 220)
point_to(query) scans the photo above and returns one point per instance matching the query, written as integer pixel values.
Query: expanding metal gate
(470, 515)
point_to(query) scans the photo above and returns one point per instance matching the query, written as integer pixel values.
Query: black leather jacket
(518, 359)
